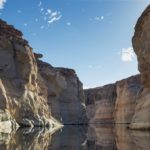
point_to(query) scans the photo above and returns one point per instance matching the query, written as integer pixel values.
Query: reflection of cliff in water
(100, 137)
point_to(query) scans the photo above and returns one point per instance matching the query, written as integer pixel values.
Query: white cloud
(99, 18)
(68, 23)
(42, 27)
(25, 24)
(42, 9)
(127, 54)
(49, 16)
(40, 3)
(2, 2)
(102, 17)
(49, 11)
(54, 16)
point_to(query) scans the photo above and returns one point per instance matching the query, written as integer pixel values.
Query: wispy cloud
(40, 3)
(94, 66)
(68, 23)
(99, 18)
(25, 24)
(2, 2)
(49, 16)
(127, 54)
(53, 16)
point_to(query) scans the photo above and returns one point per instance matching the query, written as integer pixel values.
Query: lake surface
(95, 137)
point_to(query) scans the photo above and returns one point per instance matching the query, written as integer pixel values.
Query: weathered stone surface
(19, 82)
(127, 94)
(31, 89)
(65, 94)
(141, 45)
(114, 103)
(101, 104)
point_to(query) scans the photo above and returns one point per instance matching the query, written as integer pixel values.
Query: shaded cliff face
(114, 103)
(101, 104)
(141, 45)
(65, 94)
(127, 96)
(32, 91)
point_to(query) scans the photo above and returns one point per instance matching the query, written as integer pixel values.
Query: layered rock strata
(101, 104)
(114, 103)
(32, 91)
(65, 94)
(141, 45)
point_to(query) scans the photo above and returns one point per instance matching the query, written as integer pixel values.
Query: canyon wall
(141, 45)
(132, 101)
(32, 91)
(65, 94)
(101, 104)
(113, 103)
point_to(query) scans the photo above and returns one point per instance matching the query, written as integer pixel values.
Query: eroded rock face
(32, 91)
(65, 94)
(141, 45)
(101, 104)
(114, 103)
(127, 96)
(20, 91)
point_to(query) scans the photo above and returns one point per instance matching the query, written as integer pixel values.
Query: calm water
(76, 138)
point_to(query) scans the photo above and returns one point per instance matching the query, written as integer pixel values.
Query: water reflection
(95, 137)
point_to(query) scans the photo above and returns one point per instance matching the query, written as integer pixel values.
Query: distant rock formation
(101, 104)
(130, 102)
(113, 103)
(32, 91)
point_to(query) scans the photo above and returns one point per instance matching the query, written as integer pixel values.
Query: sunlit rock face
(114, 103)
(101, 104)
(65, 94)
(127, 91)
(31, 91)
(21, 95)
(141, 45)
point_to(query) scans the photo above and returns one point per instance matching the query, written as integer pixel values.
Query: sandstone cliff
(65, 94)
(31, 91)
(141, 45)
(114, 103)
(101, 104)
(132, 101)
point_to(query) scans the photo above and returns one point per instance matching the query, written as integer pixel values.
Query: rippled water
(76, 138)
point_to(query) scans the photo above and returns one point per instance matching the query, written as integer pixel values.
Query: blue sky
(91, 36)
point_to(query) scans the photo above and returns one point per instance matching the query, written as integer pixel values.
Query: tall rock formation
(65, 94)
(141, 45)
(127, 95)
(113, 103)
(20, 97)
(32, 91)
